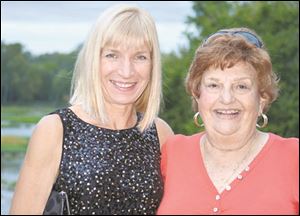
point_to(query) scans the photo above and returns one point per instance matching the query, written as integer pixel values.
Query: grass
(16, 120)
(13, 115)
(13, 144)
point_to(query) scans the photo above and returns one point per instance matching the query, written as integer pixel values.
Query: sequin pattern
(107, 171)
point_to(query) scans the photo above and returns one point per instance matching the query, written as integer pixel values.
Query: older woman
(103, 152)
(231, 167)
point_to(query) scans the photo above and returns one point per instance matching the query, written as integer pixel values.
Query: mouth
(123, 86)
(227, 113)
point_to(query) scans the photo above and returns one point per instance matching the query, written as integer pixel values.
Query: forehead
(127, 48)
(127, 38)
(238, 71)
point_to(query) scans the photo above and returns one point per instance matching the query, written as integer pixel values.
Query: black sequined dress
(106, 171)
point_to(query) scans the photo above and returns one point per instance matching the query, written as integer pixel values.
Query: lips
(227, 113)
(123, 85)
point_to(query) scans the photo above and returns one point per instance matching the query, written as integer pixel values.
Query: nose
(126, 68)
(227, 96)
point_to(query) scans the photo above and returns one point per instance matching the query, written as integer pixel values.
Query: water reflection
(10, 166)
(24, 130)
(11, 163)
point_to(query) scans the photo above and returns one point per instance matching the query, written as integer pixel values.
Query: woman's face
(229, 100)
(125, 73)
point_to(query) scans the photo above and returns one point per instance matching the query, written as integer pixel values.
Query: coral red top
(270, 186)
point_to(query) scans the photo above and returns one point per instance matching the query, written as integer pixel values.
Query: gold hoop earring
(196, 120)
(265, 121)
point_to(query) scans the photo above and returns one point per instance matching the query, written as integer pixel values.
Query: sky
(60, 26)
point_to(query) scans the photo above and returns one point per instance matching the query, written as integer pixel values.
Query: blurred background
(40, 42)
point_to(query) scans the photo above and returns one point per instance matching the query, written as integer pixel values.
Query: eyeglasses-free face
(251, 38)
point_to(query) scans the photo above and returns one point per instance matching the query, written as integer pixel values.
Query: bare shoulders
(48, 121)
(47, 134)
(45, 144)
(40, 167)
(49, 126)
(163, 130)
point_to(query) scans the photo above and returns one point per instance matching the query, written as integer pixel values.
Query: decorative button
(247, 168)
(240, 177)
(218, 197)
(215, 209)
(228, 187)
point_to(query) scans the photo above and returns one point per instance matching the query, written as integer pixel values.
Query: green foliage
(12, 116)
(26, 78)
(13, 144)
(278, 25)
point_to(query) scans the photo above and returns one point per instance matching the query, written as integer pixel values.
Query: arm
(40, 167)
(163, 130)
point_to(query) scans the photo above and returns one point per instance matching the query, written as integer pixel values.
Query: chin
(123, 100)
(227, 130)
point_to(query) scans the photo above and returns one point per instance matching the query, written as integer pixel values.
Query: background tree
(26, 78)
(46, 78)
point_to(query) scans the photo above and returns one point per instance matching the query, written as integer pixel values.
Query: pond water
(24, 130)
(10, 166)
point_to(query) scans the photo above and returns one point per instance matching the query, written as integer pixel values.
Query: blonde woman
(104, 150)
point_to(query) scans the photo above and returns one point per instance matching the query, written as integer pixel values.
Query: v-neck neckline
(244, 173)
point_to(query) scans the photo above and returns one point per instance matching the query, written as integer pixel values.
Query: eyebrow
(237, 79)
(116, 50)
(213, 79)
(242, 78)
(110, 50)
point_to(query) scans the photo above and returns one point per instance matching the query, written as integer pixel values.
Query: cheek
(107, 68)
(146, 75)
(206, 100)
(144, 72)
(254, 108)
(252, 102)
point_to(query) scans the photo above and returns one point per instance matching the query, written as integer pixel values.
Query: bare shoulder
(50, 122)
(163, 130)
(40, 167)
(49, 127)
(46, 139)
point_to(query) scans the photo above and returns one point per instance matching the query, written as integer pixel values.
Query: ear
(196, 97)
(262, 104)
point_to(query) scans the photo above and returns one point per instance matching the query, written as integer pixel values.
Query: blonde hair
(226, 50)
(117, 25)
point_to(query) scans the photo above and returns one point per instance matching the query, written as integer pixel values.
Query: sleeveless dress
(106, 171)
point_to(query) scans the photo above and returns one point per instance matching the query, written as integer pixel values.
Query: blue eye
(111, 55)
(141, 57)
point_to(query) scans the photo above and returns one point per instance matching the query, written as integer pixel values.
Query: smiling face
(125, 73)
(229, 100)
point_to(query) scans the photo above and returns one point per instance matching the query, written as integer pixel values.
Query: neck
(223, 166)
(230, 143)
(121, 117)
